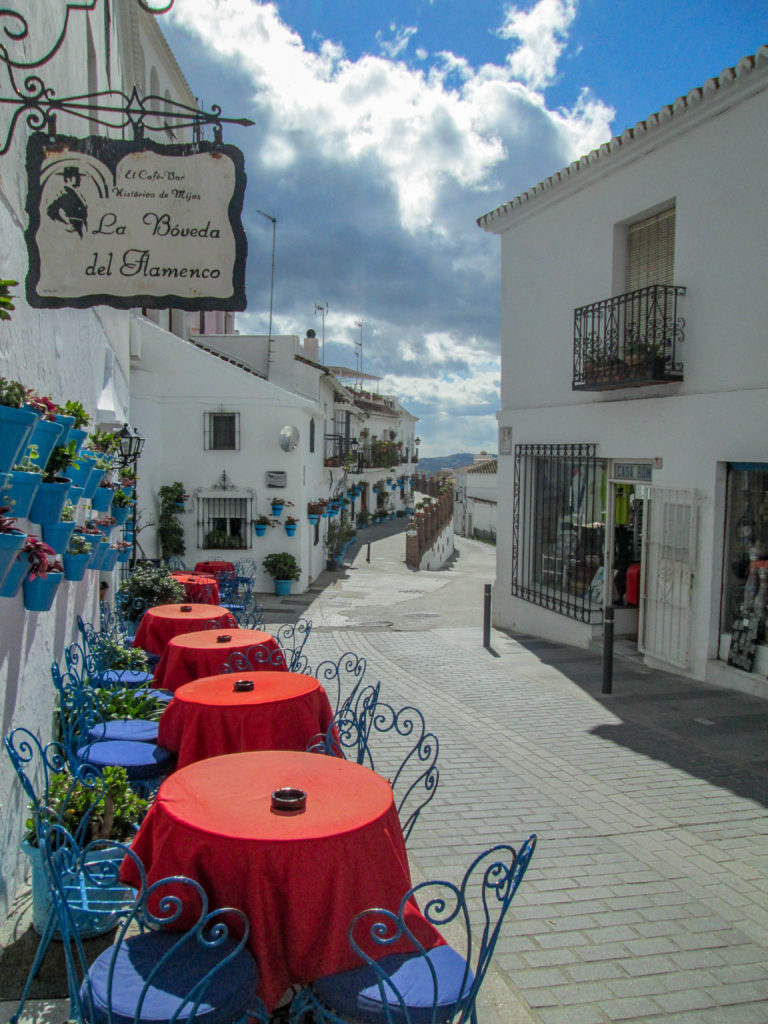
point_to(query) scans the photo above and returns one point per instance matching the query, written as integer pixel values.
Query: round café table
(193, 655)
(159, 625)
(209, 717)
(216, 568)
(300, 877)
(198, 588)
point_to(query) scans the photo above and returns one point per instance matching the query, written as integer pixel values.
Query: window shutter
(651, 251)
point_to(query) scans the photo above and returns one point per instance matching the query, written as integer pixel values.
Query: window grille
(558, 528)
(222, 431)
(224, 523)
(651, 251)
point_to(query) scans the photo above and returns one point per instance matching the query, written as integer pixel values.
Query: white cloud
(401, 37)
(543, 33)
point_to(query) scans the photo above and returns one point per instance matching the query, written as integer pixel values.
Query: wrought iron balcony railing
(629, 340)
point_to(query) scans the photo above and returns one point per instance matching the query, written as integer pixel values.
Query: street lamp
(131, 447)
(272, 278)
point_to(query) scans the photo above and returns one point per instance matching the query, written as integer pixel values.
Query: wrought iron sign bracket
(38, 104)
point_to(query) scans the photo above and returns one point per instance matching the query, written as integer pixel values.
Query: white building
(476, 489)
(634, 410)
(69, 354)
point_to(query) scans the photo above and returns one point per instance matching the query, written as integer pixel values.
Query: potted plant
(170, 532)
(260, 524)
(108, 810)
(11, 541)
(123, 551)
(314, 510)
(283, 568)
(80, 420)
(53, 490)
(58, 534)
(6, 297)
(45, 575)
(47, 432)
(147, 586)
(362, 520)
(16, 422)
(278, 504)
(76, 557)
(26, 477)
(290, 525)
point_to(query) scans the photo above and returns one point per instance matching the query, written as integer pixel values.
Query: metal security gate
(669, 562)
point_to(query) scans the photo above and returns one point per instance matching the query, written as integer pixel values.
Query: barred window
(222, 431)
(223, 523)
(558, 528)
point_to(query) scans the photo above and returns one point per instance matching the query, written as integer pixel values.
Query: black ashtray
(289, 799)
(223, 638)
(185, 607)
(242, 685)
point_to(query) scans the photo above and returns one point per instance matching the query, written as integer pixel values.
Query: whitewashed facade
(476, 489)
(564, 246)
(68, 354)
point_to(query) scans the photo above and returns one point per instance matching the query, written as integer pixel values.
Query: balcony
(629, 341)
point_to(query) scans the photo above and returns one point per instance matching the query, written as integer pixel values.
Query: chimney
(311, 350)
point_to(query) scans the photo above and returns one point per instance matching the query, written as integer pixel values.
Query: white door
(666, 583)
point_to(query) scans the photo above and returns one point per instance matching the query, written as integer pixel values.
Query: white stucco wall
(559, 252)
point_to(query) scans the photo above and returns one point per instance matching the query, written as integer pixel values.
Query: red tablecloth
(215, 568)
(193, 655)
(159, 625)
(207, 717)
(299, 877)
(199, 588)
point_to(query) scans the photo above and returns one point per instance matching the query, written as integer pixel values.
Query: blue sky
(384, 129)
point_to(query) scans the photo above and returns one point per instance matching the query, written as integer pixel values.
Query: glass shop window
(745, 572)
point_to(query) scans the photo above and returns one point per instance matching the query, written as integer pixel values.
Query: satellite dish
(289, 438)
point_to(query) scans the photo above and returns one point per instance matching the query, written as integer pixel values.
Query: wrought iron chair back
(446, 979)
(341, 679)
(175, 564)
(292, 636)
(258, 658)
(92, 663)
(393, 742)
(252, 615)
(173, 957)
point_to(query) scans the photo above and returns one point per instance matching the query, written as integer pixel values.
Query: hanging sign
(633, 472)
(131, 224)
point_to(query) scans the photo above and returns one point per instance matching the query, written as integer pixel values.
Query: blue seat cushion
(123, 677)
(356, 993)
(140, 760)
(152, 659)
(230, 993)
(126, 729)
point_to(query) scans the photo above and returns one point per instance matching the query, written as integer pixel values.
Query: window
(651, 251)
(557, 528)
(223, 523)
(222, 431)
(745, 570)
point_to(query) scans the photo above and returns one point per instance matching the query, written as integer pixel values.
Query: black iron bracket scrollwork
(36, 103)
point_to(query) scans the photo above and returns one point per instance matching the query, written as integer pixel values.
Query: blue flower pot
(277, 508)
(57, 535)
(40, 591)
(75, 565)
(75, 494)
(67, 423)
(260, 528)
(102, 499)
(78, 435)
(109, 560)
(313, 519)
(48, 502)
(16, 426)
(124, 555)
(45, 435)
(283, 587)
(92, 482)
(16, 574)
(21, 492)
(10, 545)
(100, 548)
(121, 513)
(81, 474)
(290, 529)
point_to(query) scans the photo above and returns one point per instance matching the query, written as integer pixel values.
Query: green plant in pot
(74, 408)
(12, 393)
(6, 305)
(79, 545)
(149, 585)
(111, 654)
(283, 568)
(170, 532)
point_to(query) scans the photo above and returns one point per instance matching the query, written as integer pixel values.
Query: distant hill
(438, 462)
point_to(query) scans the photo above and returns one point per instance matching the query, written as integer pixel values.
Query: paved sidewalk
(647, 898)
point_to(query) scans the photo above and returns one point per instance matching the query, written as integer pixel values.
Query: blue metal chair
(292, 637)
(174, 564)
(255, 659)
(374, 733)
(341, 677)
(422, 986)
(37, 767)
(235, 592)
(174, 959)
(94, 662)
(91, 739)
(250, 615)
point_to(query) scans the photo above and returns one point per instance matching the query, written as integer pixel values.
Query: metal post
(368, 552)
(487, 616)
(609, 613)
